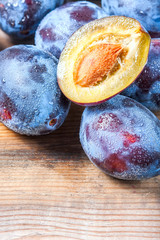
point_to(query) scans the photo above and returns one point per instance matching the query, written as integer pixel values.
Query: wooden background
(50, 190)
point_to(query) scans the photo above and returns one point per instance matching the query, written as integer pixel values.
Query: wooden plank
(50, 190)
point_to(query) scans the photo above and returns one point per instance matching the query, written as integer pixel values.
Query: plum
(102, 58)
(147, 12)
(122, 138)
(31, 102)
(56, 28)
(146, 88)
(20, 18)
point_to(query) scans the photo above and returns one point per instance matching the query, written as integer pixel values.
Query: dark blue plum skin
(20, 18)
(146, 88)
(31, 102)
(57, 26)
(145, 11)
(122, 138)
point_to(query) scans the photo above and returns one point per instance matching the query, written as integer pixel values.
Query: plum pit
(96, 63)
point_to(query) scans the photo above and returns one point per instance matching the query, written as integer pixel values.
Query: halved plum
(102, 58)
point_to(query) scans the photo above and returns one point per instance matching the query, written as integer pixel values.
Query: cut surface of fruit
(102, 58)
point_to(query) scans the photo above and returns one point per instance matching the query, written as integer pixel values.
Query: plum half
(146, 88)
(122, 138)
(102, 58)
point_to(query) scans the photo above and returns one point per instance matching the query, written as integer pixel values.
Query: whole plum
(57, 26)
(20, 18)
(146, 11)
(31, 102)
(146, 88)
(122, 138)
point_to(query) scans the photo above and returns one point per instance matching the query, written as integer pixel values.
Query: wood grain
(50, 190)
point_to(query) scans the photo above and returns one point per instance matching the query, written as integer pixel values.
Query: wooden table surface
(50, 190)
